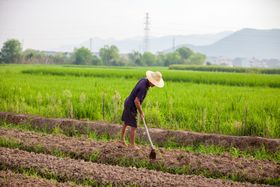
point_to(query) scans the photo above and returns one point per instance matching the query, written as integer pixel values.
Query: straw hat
(155, 78)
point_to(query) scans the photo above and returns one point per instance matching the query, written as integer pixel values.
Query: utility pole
(173, 43)
(146, 36)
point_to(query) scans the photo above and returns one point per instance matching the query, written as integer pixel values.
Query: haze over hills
(156, 43)
(246, 43)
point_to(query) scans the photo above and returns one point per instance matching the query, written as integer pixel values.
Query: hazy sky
(45, 24)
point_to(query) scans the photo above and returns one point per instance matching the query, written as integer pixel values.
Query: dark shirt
(140, 91)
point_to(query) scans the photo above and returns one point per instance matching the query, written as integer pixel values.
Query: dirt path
(112, 152)
(69, 169)
(159, 136)
(8, 178)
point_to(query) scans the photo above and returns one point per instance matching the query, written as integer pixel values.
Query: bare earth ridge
(8, 178)
(108, 153)
(159, 136)
(79, 169)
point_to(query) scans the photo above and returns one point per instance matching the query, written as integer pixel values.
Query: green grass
(225, 69)
(180, 105)
(260, 154)
(231, 79)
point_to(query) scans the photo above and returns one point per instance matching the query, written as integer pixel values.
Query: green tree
(82, 56)
(149, 59)
(196, 59)
(11, 51)
(96, 60)
(161, 59)
(123, 61)
(60, 58)
(184, 52)
(172, 58)
(110, 55)
(135, 58)
(31, 56)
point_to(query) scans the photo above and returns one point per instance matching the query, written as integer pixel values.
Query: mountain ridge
(245, 43)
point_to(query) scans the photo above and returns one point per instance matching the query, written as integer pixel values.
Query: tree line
(12, 52)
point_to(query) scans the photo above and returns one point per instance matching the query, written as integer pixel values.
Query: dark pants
(129, 116)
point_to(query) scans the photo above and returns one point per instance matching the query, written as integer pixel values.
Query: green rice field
(215, 102)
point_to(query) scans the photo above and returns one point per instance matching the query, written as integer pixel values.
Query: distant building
(244, 62)
(223, 61)
(272, 63)
(240, 62)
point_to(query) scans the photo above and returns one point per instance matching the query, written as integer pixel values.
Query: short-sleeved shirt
(130, 110)
(140, 91)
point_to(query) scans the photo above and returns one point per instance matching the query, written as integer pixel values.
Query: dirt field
(111, 152)
(69, 169)
(72, 161)
(9, 178)
(159, 136)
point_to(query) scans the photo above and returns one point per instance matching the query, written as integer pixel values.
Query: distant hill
(161, 43)
(156, 43)
(246, 43)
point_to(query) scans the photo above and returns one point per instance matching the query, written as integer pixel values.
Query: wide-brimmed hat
(155, 78)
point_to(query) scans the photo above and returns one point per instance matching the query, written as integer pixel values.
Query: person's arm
(138, 106)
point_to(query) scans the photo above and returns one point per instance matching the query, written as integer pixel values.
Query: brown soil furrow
(8, 178)
(69, 169)
(112, 152)
(159, 136)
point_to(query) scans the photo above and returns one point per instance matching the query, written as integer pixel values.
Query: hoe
(153, 152)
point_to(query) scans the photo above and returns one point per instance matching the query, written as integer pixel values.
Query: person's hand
(142, 115)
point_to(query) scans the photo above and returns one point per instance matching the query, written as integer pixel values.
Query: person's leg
(132, 136)
(123, 134)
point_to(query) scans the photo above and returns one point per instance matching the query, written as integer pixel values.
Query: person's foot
(123, 142)
(134, 146)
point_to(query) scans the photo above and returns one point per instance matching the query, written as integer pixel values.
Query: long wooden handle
(149, 137)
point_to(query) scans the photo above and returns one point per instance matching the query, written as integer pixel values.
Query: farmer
(134, 101)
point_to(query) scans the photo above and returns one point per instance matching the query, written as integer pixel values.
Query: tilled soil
(68, 169)
(159, 136)
(10, 179)
(109, 153)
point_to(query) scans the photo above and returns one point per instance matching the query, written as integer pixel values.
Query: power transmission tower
(146, 36)
(90, 43)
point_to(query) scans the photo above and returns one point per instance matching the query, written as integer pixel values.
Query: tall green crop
(208, 107)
